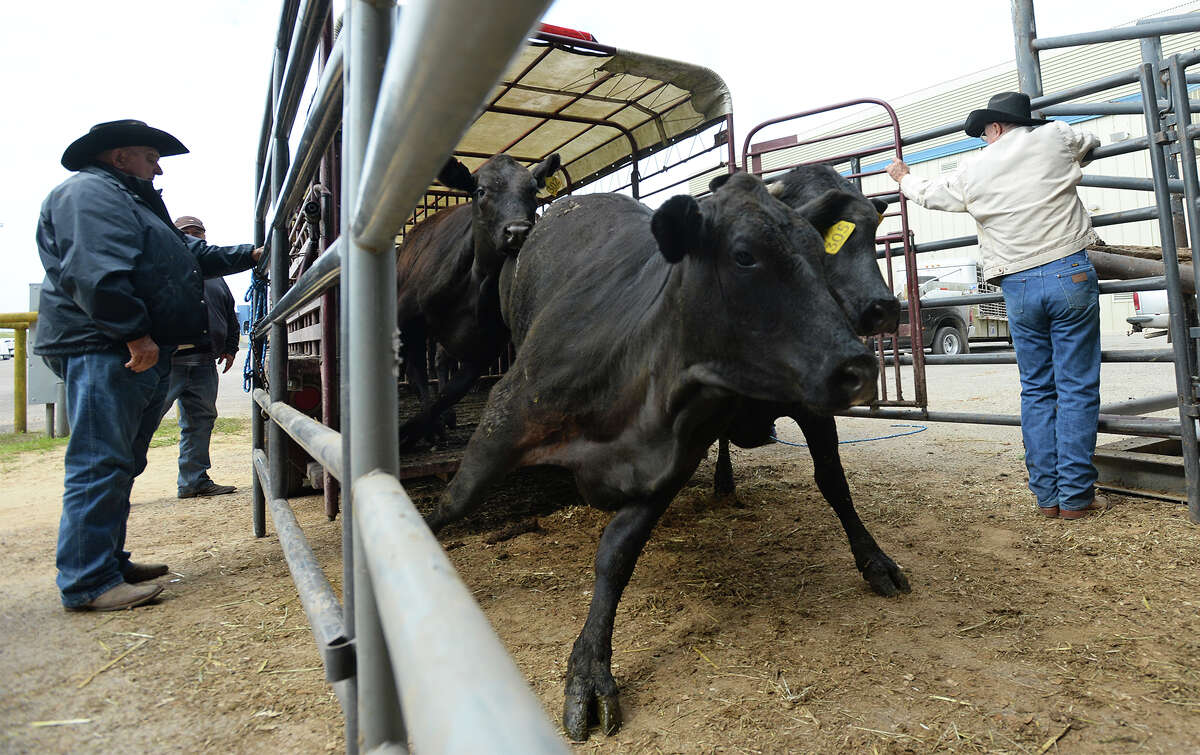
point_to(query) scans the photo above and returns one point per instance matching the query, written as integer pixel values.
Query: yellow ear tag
(554, 184)
(836, 236)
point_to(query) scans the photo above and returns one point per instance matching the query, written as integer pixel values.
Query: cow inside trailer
(621, 121)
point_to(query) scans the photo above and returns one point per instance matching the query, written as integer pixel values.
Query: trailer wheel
(949, 340)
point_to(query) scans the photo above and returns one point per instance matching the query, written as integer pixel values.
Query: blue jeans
(194, 385)
(114, 412)
(1054, 318)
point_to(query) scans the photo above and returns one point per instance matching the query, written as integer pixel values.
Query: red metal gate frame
(752, 162)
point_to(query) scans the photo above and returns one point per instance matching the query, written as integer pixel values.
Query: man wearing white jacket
(1033, 231)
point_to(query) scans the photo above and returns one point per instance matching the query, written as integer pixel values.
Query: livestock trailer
(620, 120)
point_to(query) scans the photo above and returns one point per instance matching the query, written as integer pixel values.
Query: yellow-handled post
(20, 323)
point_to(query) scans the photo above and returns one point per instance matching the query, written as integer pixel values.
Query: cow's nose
(880, 316)
(515, 233)
(853, 380)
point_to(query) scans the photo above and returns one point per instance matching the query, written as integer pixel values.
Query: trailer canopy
(597, 106)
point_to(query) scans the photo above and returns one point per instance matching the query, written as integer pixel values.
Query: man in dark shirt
(123, 288)
(194, 380)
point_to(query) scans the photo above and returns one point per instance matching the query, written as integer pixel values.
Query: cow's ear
(545, 169)
(718, 182)
(678, 227)
(826, 209)
(456, 176)
(880, 205)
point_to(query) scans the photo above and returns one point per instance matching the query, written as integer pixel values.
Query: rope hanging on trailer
(256, 354)
(920, 428)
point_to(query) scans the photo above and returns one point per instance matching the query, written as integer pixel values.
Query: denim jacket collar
(140, 188)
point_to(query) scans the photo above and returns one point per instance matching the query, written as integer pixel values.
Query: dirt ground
(744, 629)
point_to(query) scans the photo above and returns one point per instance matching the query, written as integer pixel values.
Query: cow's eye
(744, 259)
(480, 192)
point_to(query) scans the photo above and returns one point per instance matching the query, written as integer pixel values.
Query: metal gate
(1170, 139)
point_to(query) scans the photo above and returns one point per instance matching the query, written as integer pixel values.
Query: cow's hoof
(439, 434)
(605, 709)
(724, 489)
(411, 433)
(885, 576)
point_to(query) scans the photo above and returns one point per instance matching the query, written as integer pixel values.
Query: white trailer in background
(949, 277)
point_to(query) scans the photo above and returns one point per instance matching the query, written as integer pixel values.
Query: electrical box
(42, 384)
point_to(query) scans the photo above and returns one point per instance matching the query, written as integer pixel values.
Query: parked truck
(951, 330)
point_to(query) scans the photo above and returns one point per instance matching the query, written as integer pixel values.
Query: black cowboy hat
(1006, 107)
(113, 134)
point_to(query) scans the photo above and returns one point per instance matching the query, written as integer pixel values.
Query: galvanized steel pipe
(427, 101)
(1175, 25)
(461, 691)
(320, 603)
(300, 54)
(1098, 221)
(368, 356)
(322, 443)
(323, 121)
(1142, 426)
(1114, 356)
(1142, 405)
(1029, 68)
(323, 274)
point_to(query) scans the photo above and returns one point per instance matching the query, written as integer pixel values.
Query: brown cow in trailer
(447, 272)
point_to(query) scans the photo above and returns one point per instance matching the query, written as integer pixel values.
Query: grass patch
(12, 444)
(167, 434)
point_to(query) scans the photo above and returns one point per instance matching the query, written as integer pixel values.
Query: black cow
(447, 271)
(640, 339)
(826, 198)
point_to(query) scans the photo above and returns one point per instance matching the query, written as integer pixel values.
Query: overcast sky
(200, 70)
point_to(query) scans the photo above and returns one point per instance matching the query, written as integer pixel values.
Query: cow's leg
(414, 338)
(491, 452)
(444, 361)
(430, 418)
(590, 684)
(880, 571)
(723, 474)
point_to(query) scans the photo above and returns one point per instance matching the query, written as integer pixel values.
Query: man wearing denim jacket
(123, 288)
(1033, 231)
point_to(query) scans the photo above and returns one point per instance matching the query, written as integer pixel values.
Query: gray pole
(343, 398)
(1191, 179)
(258, 430)
(369, 302)
(1152, 53)
(62, 422)
(277, 441)
(1175, 301)
(1029, 67)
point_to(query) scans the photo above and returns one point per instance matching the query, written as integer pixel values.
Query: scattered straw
(64, 722)
(294, 670)
(705, 657)
(951, 700)
(1053, 740)
(110, 664)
